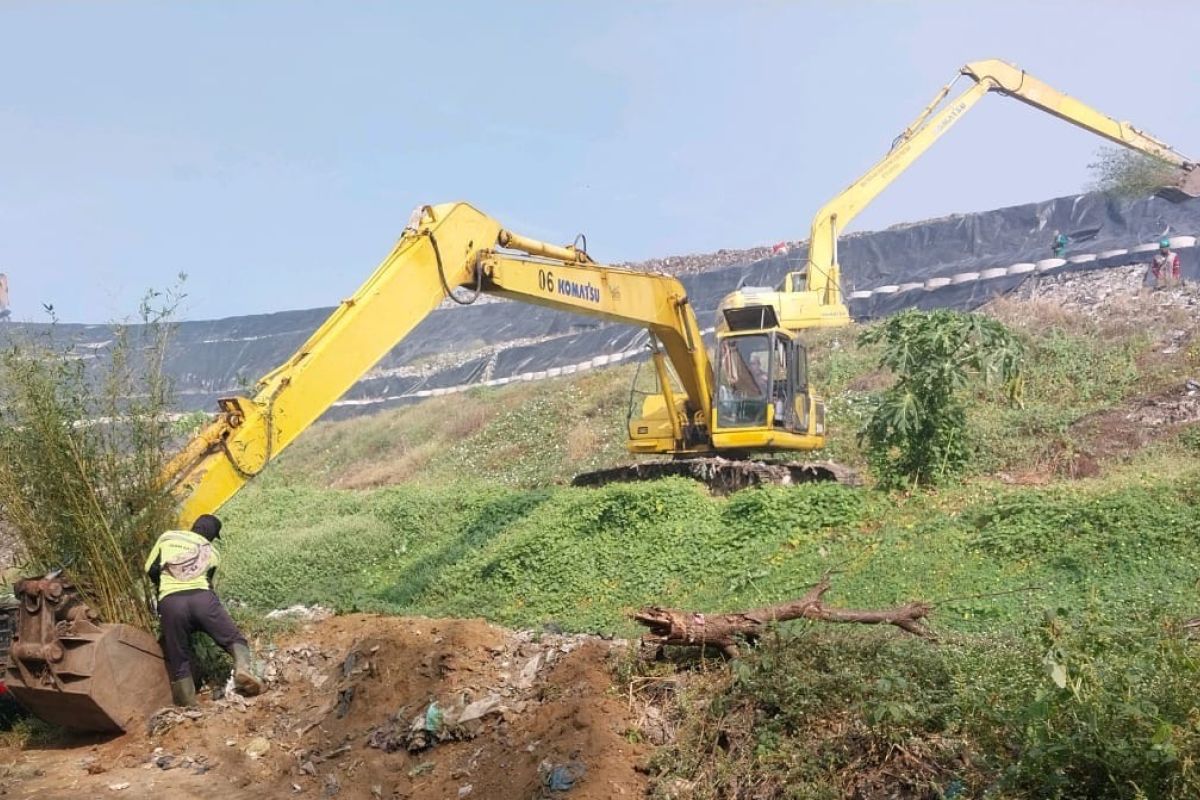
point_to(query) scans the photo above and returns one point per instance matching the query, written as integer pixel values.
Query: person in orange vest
(1165, 265)
(181, 566)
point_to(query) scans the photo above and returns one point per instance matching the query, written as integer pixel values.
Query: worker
(1165, 265)
(1061, 240)
(181, 566)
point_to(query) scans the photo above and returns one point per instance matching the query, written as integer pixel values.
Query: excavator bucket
(1186, 188)
(69, 669)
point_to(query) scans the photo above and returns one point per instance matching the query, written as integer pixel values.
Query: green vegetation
(917, 431)
(523, 435)
(81, 447)
(583, 558)
(1061, 669)
(1126, 173)
(1077, 707)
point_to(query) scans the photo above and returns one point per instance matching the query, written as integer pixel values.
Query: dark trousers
(182, 614)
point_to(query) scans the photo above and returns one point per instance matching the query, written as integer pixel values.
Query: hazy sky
(273, 150)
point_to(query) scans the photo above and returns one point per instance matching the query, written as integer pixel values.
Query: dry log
(694, 629)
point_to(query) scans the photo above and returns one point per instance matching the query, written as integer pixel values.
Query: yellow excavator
(709, 410)
(811, 297)
(753, 395)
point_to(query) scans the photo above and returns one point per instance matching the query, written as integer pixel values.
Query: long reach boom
(812, 297)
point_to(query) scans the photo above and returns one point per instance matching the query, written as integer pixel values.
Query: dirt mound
(377, 707)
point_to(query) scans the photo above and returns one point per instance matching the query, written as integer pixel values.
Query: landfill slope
(457, 347)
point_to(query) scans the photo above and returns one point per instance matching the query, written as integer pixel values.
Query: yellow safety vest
(186, 558)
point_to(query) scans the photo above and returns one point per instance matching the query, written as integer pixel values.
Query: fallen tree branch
(694, 629)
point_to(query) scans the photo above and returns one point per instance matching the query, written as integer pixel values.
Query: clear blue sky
(273, 150)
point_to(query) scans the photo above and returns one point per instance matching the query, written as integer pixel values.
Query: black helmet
(207, 526)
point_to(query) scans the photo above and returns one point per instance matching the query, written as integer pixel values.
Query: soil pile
(376, 707)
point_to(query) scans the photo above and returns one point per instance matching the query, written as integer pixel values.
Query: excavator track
(724, 476)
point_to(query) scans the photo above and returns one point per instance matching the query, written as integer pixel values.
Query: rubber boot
(183, 692)
(244, 679)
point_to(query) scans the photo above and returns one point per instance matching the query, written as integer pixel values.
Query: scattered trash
(297, 664)
(117, 787)
(423, 768)
(167, 718)
(465, 790)
(333, 786)
(257, 748)
(529, 672)
(433, 718)
(561, 777)
(308, 613)
(435, 724)
(164, 761)
(491, 704)
(345, 697)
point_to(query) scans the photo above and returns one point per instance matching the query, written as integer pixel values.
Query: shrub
(917, 430)
(1083, 706)
(81, 448)
(1126, 173)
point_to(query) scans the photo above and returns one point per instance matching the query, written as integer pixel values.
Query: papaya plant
(917, 430)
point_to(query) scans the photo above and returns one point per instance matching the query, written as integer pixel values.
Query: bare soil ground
(347, 714)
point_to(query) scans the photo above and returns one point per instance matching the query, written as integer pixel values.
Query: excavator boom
(69, 667)
(442, 248)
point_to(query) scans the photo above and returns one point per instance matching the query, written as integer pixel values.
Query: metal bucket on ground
(68, 668)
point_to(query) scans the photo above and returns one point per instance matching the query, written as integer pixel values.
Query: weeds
(1082, 706)
(83, 438)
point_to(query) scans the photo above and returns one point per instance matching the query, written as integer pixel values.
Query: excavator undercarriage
(723, 476)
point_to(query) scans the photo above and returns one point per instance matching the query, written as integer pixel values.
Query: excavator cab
(763, 398)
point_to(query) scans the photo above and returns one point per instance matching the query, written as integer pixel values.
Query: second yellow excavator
(812, 297)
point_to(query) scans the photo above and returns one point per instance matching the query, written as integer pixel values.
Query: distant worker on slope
(1165, 265)
(181, 566)
(1061, 240)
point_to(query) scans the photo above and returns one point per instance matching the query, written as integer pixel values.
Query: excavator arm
(67, 667)
(443, 247)
(813, 298)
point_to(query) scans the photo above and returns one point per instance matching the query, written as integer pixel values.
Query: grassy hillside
(520, 435)
(583, 558)
(1061, 568)
(457, 505)
(538, 434)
